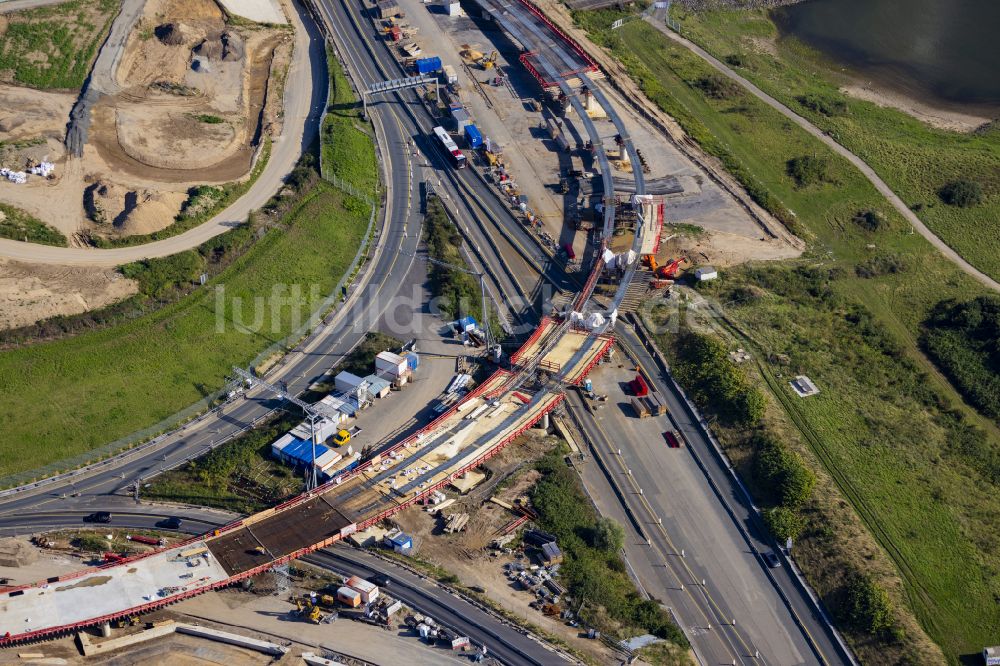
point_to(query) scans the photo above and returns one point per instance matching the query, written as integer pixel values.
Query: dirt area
(171, 126)
(32, 292)
(506, 112)
(40, 563)
(466, 555)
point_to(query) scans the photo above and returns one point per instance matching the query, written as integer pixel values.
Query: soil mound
(226, 46)
(171, 34)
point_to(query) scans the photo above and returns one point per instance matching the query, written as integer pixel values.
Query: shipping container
(460, 116)
(367, 590)
(412, 360)
(473, 136)
(449, 75)
(387, 8)
(378, 386)
(349, 597)
(391, 363)
(428, 65)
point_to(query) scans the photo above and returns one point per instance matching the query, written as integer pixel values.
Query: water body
(938, 50)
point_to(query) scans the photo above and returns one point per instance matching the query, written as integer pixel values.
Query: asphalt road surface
(504, 641)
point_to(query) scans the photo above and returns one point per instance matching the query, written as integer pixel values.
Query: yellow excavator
(307, 611)
(490, 61)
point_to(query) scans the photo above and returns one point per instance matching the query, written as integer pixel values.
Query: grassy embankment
(69, 396)
(346, 136)
(886, 424)
(54, 46)
(242, 475)
(915, 159)
(20, 225)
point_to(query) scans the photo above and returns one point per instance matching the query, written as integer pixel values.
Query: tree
(608, 535)
(868, 607)
(870, 220)
(962, 193)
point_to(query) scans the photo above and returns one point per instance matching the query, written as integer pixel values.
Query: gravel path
(862, 166)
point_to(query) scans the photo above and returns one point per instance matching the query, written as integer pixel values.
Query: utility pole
(311, 412)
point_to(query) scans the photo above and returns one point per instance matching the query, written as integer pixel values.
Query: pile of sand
(226, 46)
(16, 553)
(121, 211)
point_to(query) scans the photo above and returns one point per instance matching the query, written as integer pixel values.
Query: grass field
(881, 424)
(916, 160)
(53, 47)
(348, 151)
(66, 397)
(20, 225)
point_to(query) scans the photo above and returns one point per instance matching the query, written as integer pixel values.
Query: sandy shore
(948, 119)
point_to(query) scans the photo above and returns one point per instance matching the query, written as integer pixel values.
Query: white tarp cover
(595, 320)
(609, 258)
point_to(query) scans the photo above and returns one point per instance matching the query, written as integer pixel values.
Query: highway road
(504, 641)
(379, 281)
(705, 513)
(304, 101)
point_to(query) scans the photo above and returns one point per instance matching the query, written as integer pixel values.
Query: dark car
(99, 517)
(173, 523)
(381, 580)
(771, 559)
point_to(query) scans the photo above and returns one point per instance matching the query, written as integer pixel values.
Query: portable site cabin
(368, 591)
(705, 273)
(393, 364)
(349, 597)
(345, 381)
(378, 386)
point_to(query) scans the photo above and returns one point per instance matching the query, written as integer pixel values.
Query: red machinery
(638, 386)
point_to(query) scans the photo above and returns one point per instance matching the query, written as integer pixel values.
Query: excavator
(490, 61)
(663, 276)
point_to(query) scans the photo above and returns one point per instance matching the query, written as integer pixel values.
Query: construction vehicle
(665, 272)
(490, 61)
(343, 437)
(308, 611)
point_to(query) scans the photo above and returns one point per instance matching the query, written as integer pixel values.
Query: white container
(345, 382)
(349, 597)
(394, 364)
(367, 590)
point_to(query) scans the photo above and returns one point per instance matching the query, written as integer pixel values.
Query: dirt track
(861, 165)
(303, 105)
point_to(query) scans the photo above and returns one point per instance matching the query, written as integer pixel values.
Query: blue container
(428, 65)
(473, 136)
(588, 385)
(412, 360)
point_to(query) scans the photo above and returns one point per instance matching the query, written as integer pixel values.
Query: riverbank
(914, 158)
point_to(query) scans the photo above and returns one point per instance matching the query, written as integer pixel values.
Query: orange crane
(668, 271)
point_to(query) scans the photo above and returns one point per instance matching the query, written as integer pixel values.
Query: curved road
(303, 107)
(504, 641)
(862, 166)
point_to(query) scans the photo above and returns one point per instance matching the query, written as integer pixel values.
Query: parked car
(98, 517)
(771, 559)
(172, 523)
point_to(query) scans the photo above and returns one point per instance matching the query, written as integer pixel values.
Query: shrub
(782, 470)
(867, 605)
(736, 60)
(962, 193)
(884, 263)
(828, 106)
(808, 170)
(870, 220)
(92, 542)
(784, 523)
(608, 535)
(962, 338)
(209, 119)
(718, 86)
(715, 383)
